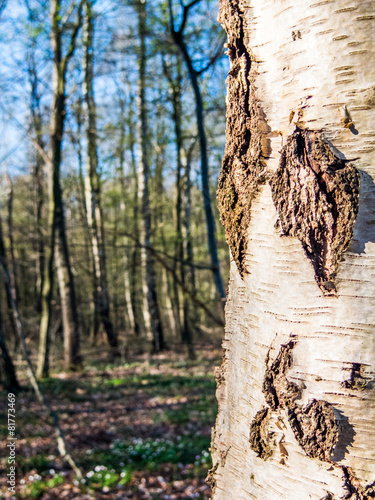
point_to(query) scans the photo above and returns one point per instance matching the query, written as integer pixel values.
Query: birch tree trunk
(147, 258)
(93, 192)
(296, 388)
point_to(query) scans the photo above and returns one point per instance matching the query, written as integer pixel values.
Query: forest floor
(138, 430)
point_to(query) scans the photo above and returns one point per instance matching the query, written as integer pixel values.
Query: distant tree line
(113, 119)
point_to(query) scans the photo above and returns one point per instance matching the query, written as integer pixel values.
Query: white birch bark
(309, 60)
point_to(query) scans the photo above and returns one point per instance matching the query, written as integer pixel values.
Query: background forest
(114, 263)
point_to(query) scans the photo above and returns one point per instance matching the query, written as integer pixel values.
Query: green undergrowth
(177, 402)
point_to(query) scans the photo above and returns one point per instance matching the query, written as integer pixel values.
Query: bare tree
(93, 192)
(152, 299)
(56, 217)
(178, 36)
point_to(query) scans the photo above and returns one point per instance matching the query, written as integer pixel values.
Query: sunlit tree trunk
(56, 217)
(93, 193)
(152, 299)
(296, 388)
(176, 89)
(141, 321)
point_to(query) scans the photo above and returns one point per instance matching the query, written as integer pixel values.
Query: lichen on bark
(356, 381)
(242, 166)
(316, 195)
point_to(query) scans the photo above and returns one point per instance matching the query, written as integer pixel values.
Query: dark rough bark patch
(316, 195)
(328, 496)
(277, 389)
(313, 425)
(259, 435)
(242, 168)
(315, 428)
(356, 380)
(354, 489)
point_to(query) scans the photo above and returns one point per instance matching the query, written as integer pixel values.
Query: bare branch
(73, 37)
(218, 53)
(186, 14)
(183, 287)
(65, 19)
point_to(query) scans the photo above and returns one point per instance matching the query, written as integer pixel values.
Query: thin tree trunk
(10, 378)
(178, 37)
(134, 312)
(56, 218)
(185, 328)
(88, 326)
(12, 262)
(152, 299)
(93, 188)
(141, 320)
(295, 390)
(10, 382)
(38, 178)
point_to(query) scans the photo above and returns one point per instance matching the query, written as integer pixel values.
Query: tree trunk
(152, 299)
(12, 262)
(296, 388)
(185, 328)
(135, 259)
(56, 218)
(38, 171)
(7, 367)
(93, 198)
(179, 39)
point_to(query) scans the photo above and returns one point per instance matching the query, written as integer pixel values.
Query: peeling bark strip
(316, 195)
(242, 167)
(314, 425)
(259, 435)
(277, 389)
